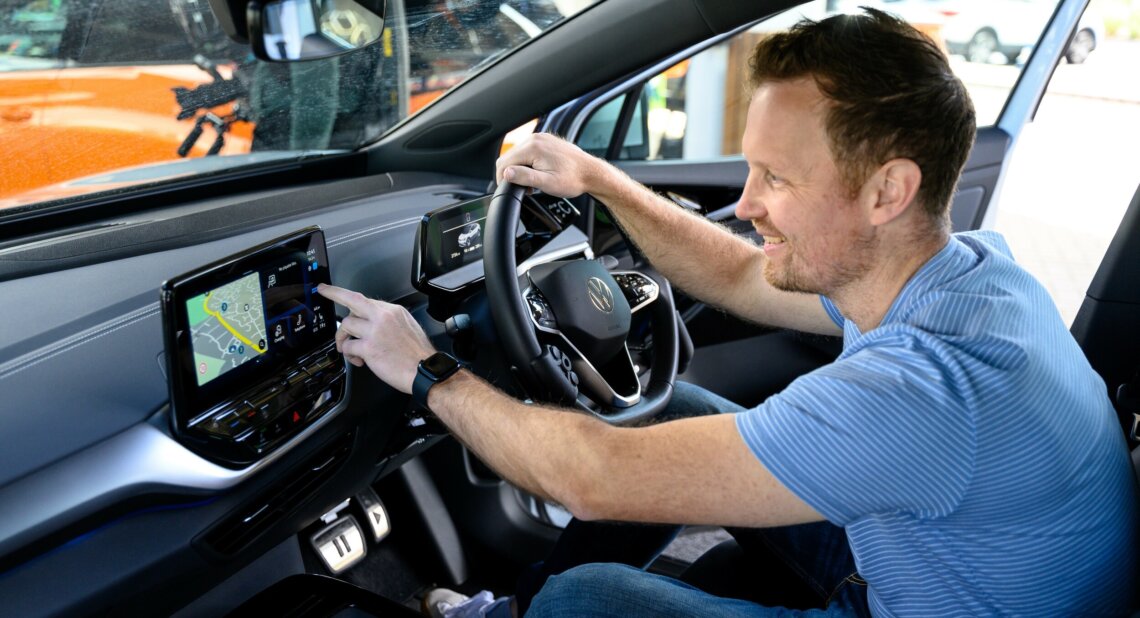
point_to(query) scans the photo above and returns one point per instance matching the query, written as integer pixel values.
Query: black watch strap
(431, 371)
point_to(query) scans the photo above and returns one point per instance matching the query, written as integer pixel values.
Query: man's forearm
(546, 451)
(704, 259)
(599, 471)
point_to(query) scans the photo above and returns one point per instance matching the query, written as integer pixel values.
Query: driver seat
(1107, 328)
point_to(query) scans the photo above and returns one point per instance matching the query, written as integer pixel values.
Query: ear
(891, 190)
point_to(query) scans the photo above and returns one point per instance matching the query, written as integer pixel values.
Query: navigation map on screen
(227, 327)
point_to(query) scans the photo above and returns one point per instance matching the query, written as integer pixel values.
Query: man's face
(816, 237)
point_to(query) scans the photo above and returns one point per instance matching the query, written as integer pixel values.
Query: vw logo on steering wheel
(600, 295)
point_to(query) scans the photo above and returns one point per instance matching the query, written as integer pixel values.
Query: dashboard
(110, 474)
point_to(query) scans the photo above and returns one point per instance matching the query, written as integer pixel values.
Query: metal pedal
(340, 544)
(375, 513)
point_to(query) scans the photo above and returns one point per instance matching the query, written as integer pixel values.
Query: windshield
(108, 95)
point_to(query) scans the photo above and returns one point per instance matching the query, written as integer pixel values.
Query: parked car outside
(992, 31)
(1005, 31)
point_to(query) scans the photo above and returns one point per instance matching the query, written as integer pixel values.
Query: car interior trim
(55, 348)
(143, 456)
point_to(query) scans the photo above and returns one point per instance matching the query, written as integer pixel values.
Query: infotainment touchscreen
(232, 324)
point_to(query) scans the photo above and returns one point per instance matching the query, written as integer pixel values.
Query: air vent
(248, 523)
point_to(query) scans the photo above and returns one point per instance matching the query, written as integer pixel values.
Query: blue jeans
(595, 568)
(621, 591)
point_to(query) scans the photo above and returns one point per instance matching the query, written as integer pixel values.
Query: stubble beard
(823, 279)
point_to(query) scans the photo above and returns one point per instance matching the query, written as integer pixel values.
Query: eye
(773, 179)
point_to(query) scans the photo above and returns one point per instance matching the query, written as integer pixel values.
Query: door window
(695, 110)
(1073, 172)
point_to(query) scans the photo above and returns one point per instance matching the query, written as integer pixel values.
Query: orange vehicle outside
(58, 125)
(61, 127)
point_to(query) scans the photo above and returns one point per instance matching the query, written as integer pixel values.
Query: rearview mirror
(292, 30)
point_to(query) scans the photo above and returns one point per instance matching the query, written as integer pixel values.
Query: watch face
(440, 364)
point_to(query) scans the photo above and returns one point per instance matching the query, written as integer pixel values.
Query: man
(961, 440)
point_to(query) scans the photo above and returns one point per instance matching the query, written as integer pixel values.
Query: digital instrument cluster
(448, 253)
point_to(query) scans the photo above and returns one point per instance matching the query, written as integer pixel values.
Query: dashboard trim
(139, 460)
(47, 352)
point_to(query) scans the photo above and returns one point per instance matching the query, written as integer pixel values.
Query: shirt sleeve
(832, 311)
(874, 433)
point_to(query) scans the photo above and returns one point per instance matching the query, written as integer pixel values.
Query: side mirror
(293, 30)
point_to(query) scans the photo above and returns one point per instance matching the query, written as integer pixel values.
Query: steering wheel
(564, 325)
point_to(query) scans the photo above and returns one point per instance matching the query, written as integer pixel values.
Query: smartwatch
(432, 370)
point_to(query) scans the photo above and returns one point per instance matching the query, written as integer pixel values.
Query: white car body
(991, 30)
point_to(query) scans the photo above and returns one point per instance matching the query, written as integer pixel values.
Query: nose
(751, 204)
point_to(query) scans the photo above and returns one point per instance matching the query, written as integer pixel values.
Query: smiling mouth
(774, 240)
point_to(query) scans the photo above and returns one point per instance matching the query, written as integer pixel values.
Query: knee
(689, 400)
(587, 590)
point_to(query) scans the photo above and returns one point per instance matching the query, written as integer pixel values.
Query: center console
(250, 350)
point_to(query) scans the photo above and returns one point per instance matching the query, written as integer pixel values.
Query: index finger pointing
(354, 301)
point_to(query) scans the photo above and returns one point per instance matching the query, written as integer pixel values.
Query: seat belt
(1128, 405)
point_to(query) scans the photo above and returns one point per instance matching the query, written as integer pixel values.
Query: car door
(676, 127)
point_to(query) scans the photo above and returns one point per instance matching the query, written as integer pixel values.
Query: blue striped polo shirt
(966, 446)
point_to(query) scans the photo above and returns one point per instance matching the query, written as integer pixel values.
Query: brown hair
(892, 95)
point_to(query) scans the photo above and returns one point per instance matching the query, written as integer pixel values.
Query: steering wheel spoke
(614, 386)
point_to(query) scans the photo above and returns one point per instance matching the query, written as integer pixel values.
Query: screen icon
(298, 322)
